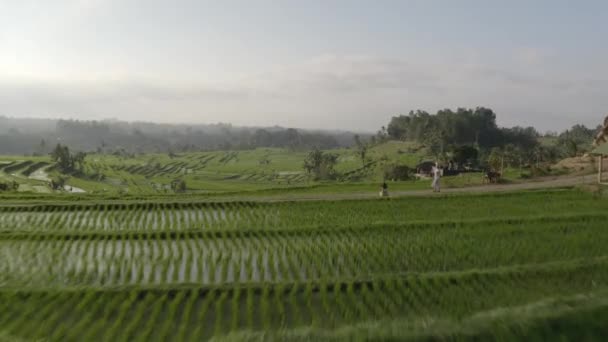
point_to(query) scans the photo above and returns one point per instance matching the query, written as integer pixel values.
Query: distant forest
(444, 132)
(40, 136)
(448, 131)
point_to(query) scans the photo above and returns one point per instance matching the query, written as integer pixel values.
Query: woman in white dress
(436, 178)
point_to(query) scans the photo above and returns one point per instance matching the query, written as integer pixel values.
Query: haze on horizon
(309, 64)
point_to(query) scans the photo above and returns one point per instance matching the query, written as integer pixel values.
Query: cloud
(346, 74)
(333, 91)
(130, 100)
(117, 90)
(532, 56)
(519, 79)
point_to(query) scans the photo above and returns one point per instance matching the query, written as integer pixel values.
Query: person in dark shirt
(384, 191)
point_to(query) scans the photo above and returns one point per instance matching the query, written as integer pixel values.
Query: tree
(293, 138)
(78, 160)
(397, 172)
(576, 140)
(570, 146)
(320, 165)
(361, 148)
(398, 127)
(57, 183)
(382, 135)
(526, 138)
(495, 160)
(42, 147)
(466, 154)
(261, 137)
(9, 186)
(434, 140)
(61, 155)
(461, 127)
(178, 186)
(66, 161)
(545, 154)
(264, 161)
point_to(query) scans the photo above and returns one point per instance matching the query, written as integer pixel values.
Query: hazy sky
(314, 64)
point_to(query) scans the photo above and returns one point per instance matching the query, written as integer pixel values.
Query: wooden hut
(600, 152)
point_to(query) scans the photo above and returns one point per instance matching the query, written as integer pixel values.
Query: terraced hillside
(27, 172)
(203, 172)
(487, 266)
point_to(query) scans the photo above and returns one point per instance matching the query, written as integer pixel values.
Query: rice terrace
(298, 261)
(296, 243)
(303, 171)
(161, 270)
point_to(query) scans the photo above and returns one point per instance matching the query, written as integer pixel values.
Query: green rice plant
(327, 309)
(171, 319)
(189, 306)
(265, 308)
(106, 304)
(125, 271)
(152, 320)
(20, 322)
(114, 331)
(219, 314)
(308, 291)
(146, 300)
(200, 328)
(91, 305)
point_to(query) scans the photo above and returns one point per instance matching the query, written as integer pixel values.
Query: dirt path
(542, 183)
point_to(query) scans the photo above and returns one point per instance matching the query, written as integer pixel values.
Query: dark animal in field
(491, 177)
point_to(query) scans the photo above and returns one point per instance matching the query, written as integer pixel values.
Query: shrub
(397, 172)
(321, 164)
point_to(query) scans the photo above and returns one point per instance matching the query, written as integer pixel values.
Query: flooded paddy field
(400, 269)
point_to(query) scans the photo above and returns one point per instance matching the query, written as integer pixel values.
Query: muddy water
(73, 189)
(40, 175)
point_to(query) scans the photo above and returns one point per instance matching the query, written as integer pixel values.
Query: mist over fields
(38, 136)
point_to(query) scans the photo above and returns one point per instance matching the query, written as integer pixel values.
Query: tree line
(473, 134)
(39, 136)
(446, 128)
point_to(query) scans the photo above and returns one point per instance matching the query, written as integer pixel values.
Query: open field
(221, 171)
(204, 172)
(513, 265)
(254, 173)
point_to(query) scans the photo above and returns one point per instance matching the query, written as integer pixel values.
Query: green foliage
(361, 148)
(32, 137)
(267, 169)
(496, 160)
(178, 186)
(396, 172)
(465, 154)
(57, 183)
(320, 164)
(460, 132)
(465, 126)
(576, 140)
(9, 186)
(264, 161)
(540, 171)
(67, 162)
